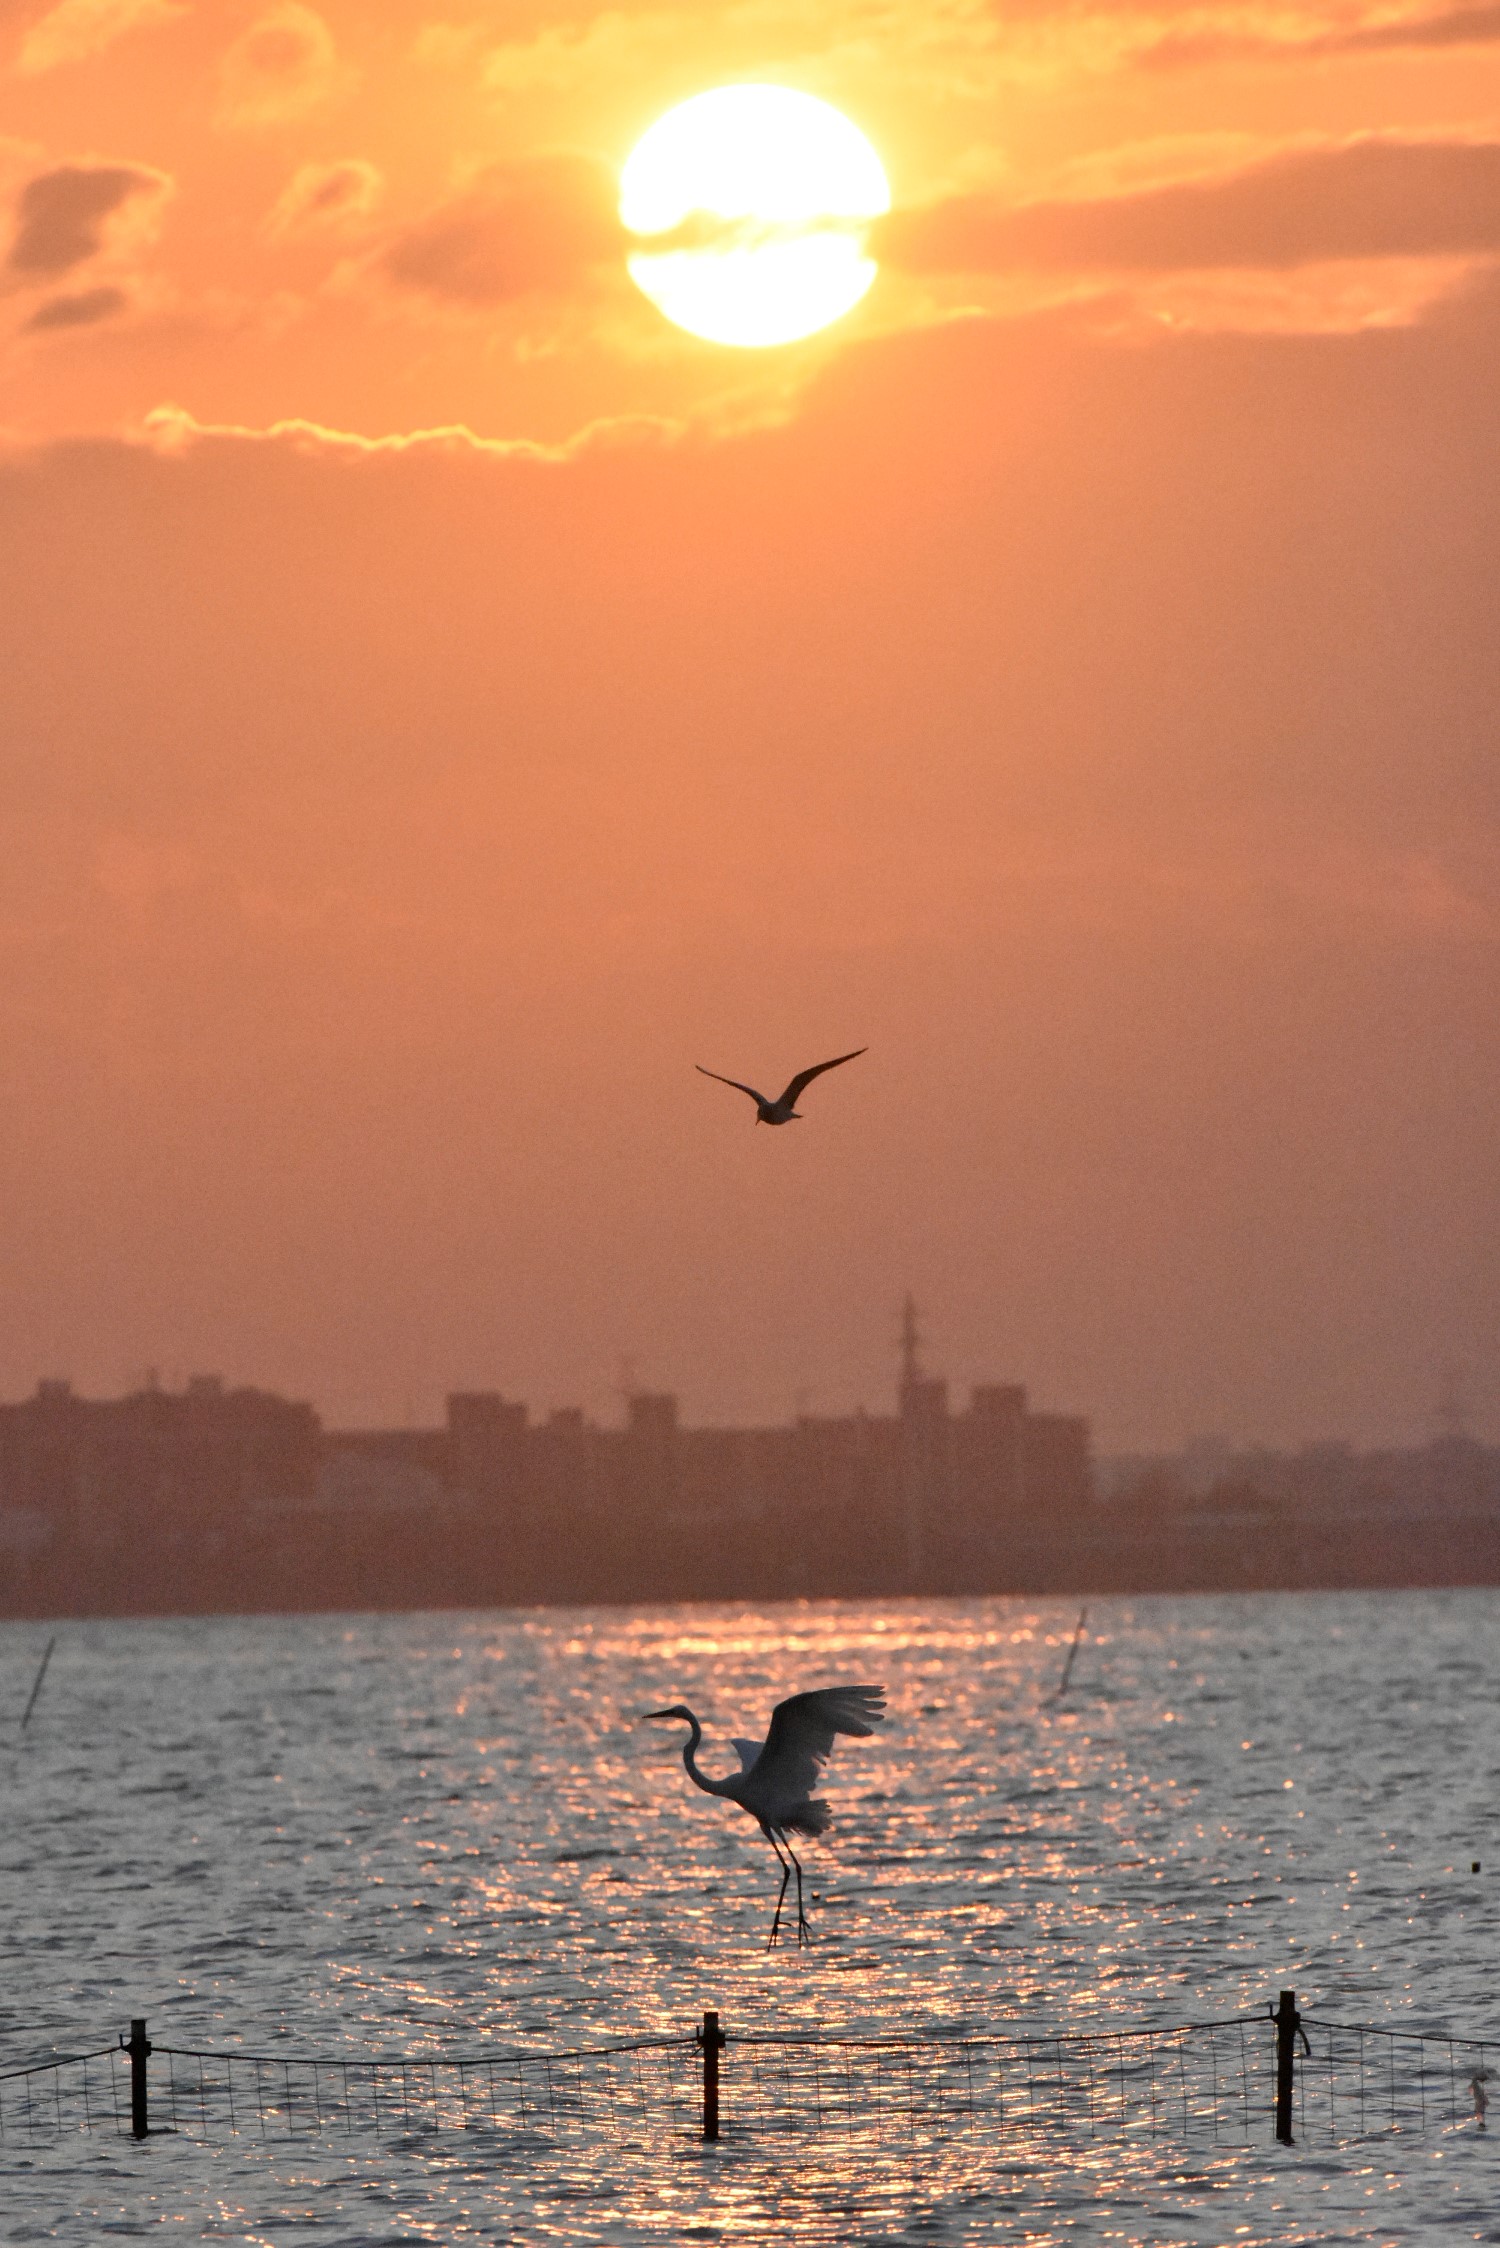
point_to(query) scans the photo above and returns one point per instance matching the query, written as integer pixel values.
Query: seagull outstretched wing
(734, 1081)
(804, 1077)
(802, 1735)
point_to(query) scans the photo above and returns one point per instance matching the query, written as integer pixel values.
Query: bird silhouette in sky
(783, 1111)
(777, 1776)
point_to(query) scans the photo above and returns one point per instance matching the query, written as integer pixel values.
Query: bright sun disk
(765, 197)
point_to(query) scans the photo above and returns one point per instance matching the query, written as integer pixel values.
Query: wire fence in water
(627, 2090)
(1241, 2081)
(1204, 2080)
(633, 2089)
(1355, 2081)
(74, 2092)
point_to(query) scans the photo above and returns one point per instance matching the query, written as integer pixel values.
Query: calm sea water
(426, 1831)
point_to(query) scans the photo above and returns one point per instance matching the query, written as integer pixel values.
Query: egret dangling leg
(804, 1933)
(786, 1875)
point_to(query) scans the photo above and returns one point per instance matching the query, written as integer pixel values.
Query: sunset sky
(443, 703)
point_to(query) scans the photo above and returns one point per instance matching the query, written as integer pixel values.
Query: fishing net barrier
(1276, 2074)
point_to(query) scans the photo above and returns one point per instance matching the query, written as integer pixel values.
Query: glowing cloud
(75, 30)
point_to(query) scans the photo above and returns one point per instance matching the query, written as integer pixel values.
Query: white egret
(783, 1111)
(777, 1775)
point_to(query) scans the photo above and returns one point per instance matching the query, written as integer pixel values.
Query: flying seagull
(783, 1111)
(777, 1776)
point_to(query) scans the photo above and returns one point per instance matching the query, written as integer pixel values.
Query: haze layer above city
(444, 705)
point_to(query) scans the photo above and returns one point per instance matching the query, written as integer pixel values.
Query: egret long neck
(689, 1759)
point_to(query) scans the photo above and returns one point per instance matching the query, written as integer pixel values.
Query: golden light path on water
(451, 1834)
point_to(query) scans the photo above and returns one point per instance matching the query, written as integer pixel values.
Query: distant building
(182, 1478)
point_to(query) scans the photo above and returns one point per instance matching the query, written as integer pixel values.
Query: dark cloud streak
(61, 215)
(533, 228)
(1455, 27)
(1450, 27)
(1366, 199)
(81, 311)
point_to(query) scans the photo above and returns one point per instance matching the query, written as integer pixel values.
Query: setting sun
(761, 198)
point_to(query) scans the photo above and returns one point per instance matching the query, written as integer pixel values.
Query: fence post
(1288, 2022)
(711, 2038)
(138, 2047)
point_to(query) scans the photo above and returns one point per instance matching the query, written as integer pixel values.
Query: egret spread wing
(804, 1078)
(747, 1752)
(802, 1735)
(734, 1081)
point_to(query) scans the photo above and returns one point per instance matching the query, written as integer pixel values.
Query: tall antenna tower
(911, 1346)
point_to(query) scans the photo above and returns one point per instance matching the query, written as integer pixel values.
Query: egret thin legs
(790, 1863)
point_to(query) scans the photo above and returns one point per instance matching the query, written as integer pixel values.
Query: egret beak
(655, 1713)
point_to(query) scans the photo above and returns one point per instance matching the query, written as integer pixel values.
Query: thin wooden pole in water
(37, 1684)
(1083, 1617)
(711, 2037)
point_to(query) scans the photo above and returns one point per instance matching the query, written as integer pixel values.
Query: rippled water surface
(428, 1832)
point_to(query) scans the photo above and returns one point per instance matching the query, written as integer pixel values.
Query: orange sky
(443, 703)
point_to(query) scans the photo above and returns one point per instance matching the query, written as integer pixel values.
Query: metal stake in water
(1083, 1617)
(37, 1684)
